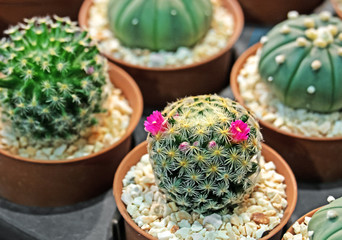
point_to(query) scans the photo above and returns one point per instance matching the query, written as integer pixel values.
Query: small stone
(60, 150)
(183, 232)
(260, 218)
(197, 236)
(316, 64)
(280, 59)
(23, 141)
(292, 15)
(196, 227)
(174, 228)
(182, 215)
(184, 223)
(213, 219)
(311, 89)
(330, 199)
(165, 235)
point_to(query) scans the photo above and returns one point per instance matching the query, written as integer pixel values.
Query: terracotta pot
(274, 11)
(300, 220)
(337, 7)
(134, 232)
(14, 11)
(162, 85)
(311, 158)
(63, 182)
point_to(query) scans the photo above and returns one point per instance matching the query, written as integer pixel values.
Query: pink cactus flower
(196, 144)
(155, 123)
(212, 144)
(184, 146)
(239, 131)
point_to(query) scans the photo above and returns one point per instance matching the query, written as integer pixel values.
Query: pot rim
(134, 120)
(236, 91)
(236, 13)
(336, 8)
(117, 189)
(301, 219)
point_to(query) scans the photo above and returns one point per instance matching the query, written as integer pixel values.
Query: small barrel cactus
(301, 61)
(326, 223)
(204, 152)
(51, 78)
(159, 25)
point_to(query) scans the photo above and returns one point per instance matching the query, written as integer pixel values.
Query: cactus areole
(204, 152)
(326, 222)
(159, 24)
(51, 79)
(301, 61)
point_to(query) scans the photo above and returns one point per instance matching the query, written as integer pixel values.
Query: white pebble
(213, 219)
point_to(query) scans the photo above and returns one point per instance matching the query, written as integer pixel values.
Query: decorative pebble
(213, 219)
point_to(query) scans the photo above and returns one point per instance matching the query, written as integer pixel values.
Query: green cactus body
(159, 25)
(326, 223)
(301, 61)
(196, 162)
(52, 78)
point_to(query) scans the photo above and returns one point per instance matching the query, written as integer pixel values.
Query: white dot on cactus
(310, 233)
(325, 16)
(320, 43)
(285, 29)
(263, 39)
(315, 65)
(311, 33)
(311, 89)
(292, 15)
(173, 12)
(135, 21)
(309, 23)
(331, 214)
(333, 29)
(270, 79)
(339, 52)
(301, 42)
(330, 199)
(280, 59)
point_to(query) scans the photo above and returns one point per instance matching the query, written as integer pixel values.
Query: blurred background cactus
(159, 25)
(326, 222)
(52, 78)
(301, 61)
(204, 151)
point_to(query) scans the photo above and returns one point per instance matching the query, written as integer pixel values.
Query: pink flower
(239, 131)
(184, 146)
(212, 144)
(155, 123)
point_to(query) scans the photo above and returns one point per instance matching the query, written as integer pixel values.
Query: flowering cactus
(326, 222)
(159, 25)
(301, 61)
(51, 78)
(204, 151)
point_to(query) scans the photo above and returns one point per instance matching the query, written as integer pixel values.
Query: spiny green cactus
(159, 25)
(204, 152)
(326, 222)
(52, 78)
(301, 61)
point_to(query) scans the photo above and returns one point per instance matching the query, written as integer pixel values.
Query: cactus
(159, 25)
(204, 152)
(51, 78)
(326, 222)
(301, 61)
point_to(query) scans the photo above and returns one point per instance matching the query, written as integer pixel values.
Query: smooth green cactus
(326, 223)
(301, 61)
(159, 25)
(52, 78)
(204, 152)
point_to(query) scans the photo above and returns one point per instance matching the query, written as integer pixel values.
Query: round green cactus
(51, 78)
(301, 61)
(159, 25)
(204, 152)
(326, 222)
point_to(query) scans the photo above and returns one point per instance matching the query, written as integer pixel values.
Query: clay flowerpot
(337, 7)
(311, 158)
(272, 12)
(300, 220)
(13, 11)
(63, 182)
(162, 85)
(134, 232)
